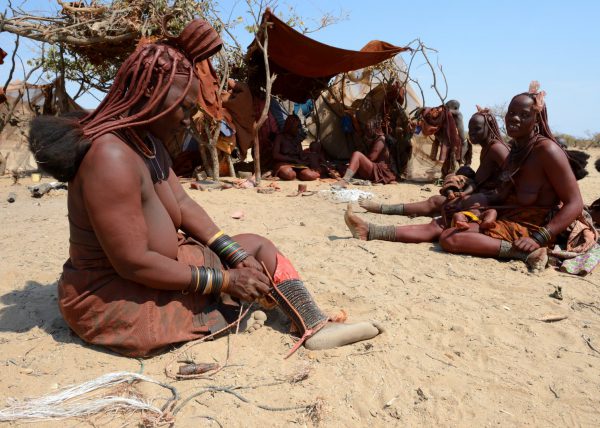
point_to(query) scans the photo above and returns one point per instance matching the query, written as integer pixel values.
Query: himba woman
(483, 130)
(148, 267)
(376, 166)
(290, 161)
(540, 197)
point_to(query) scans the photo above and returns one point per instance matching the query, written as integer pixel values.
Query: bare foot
(358, 227)
(254, 321)
(334, 335)
(369, 205)
(462, 225)
(537, 260)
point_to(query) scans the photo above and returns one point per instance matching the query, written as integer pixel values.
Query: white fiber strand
(345, 195)
(71, 402)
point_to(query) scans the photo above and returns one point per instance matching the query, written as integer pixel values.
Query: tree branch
(269, 79)
(434, 84)
(13, 64)
(36, 33)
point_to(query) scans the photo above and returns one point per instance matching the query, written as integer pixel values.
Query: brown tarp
(305, 66)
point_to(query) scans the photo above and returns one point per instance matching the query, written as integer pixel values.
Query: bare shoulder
(499, 150)
(108, 150)
(546, 148)
(110, 159)
(497, 154)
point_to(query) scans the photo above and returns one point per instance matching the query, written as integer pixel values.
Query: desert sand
(463, 342)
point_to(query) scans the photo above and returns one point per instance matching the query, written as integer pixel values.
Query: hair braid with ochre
(135, 98)
(149, 72)
(139, 88)
(491, 123)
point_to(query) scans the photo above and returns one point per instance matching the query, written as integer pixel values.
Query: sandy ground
(463, 344)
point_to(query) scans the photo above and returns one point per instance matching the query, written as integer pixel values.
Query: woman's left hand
(526, 244)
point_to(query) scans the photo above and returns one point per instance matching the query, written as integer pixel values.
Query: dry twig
(588, 341)
(231, 390)
(441, 361)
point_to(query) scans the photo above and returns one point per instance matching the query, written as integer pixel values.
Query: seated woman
(539, 199)
(290, 162)
(530, 195)
(483, 130)
(376, 167)
(148, 267)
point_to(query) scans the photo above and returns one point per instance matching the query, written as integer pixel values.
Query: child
(460, 184)
(485, 218)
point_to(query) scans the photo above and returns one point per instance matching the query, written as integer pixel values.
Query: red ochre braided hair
(138, 91)
(491, 123)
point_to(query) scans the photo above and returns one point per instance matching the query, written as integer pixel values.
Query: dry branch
(434, 84)
(269, 79)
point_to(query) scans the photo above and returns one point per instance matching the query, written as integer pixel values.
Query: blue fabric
(278, 112)
(190, 144)
(305, 108)
(347, 126)
(225, 129)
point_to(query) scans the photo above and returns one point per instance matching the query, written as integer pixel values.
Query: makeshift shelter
(36, 100)
(305, 73)
(344, 105)
(343, 109)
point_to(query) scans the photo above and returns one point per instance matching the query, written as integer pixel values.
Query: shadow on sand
(35, 305)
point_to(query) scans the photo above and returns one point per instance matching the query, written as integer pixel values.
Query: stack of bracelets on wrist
(208, 280)
(230, 252)
(541, 236)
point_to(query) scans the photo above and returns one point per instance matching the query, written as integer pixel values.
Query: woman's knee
(286, 174)
(308, 175)
(355, 156)
(254, 243)
(252, 238)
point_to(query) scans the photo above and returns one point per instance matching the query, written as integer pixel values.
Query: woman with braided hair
(148, 267)
(539, 199)
(483, 130)
(376, 166)
(290, 161)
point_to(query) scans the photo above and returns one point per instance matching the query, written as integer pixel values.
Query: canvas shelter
(36, 100)
(307, 72)
(360, 95)
(343, 84)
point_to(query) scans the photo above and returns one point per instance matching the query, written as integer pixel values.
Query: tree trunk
(205, 163)
(214, 157)
(256, 156)
(231, 167)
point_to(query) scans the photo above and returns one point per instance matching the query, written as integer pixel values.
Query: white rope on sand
(71, 402)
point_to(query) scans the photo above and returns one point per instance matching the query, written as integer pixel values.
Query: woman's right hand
(248, 284)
